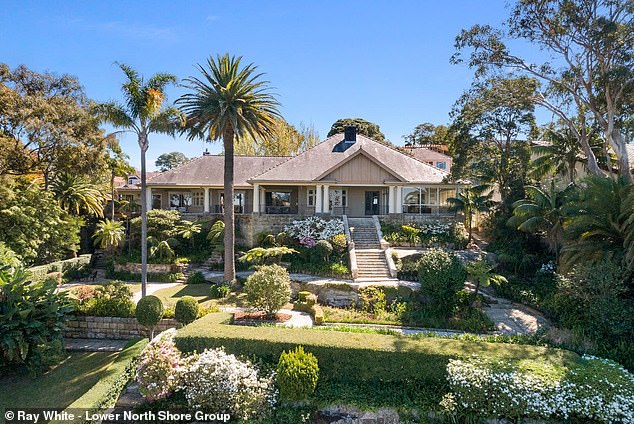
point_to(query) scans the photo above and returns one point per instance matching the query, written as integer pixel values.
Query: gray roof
(208, 170)
(315, 163)
(425, 154)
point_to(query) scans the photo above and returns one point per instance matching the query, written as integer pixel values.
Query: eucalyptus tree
(143, 113)
(227, 101)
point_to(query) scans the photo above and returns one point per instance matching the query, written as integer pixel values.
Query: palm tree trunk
(143, 221)
(229, 238)
(112, 193)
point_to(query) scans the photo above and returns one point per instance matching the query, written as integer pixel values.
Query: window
(198, 198)
(239, 200)
(441, 165)
(418, 199)
(156, 201)
(133, 180)
(180, 200)
(278, 201)
(310, 200)
(338, 198)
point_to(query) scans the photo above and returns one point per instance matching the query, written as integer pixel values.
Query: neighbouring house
(430, 156)
(128, 189)
(346, 174)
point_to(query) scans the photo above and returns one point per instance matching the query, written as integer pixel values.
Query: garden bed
(254, 318)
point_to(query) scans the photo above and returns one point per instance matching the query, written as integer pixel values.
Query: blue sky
(384, 61)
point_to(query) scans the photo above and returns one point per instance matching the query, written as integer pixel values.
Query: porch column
(206, 205)
(148, 197)
(437, 211)
(318, 199)
(256, 198)
(326, 207)
(399, 199)
(390, 199)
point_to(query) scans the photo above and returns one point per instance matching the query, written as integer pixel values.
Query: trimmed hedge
(67, 267)
(353, 357)
(105, 393)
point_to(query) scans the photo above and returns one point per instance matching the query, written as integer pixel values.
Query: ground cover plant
(433, 234)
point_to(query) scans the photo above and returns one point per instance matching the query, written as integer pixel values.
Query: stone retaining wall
(151, 268)
(404, 219)
(89, 327)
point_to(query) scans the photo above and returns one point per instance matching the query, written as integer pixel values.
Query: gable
(360, 170)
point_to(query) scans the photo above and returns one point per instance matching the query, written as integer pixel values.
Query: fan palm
(109, 234)
(471, 201)
(542, 211)
(143, 113)
(75, 195)
(228, 101)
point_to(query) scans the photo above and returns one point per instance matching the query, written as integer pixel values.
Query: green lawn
(59, 387)
(202, 293)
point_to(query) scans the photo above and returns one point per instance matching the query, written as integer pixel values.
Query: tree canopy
(368, 129)
(284, 140)
(427, 133)
(170, 160)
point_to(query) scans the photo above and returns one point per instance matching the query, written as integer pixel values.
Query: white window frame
(311, 195)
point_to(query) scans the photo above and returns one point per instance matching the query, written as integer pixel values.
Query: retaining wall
(89, 327)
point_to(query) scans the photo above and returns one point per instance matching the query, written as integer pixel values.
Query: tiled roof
(208, 170)
(310, 165)
(424, 154)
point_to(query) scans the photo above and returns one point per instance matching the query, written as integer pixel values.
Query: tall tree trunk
(230, 260)
(618, 145)
(112, 194)
(143, 144)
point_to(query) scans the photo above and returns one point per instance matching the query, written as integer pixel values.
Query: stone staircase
(371, 261)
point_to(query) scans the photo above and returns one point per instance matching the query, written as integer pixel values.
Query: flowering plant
(219, 382)
(591, 389)
(312, 229)
(157, 371)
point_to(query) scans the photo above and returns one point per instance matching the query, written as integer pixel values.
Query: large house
(346, 174)
(430, 156)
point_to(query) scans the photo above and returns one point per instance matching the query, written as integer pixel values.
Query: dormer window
(133, 180)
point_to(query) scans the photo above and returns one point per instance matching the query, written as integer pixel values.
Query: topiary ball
(149, 311)
(186, 310)
(297, 374)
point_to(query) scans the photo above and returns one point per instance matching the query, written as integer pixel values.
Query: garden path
(152, 288)
(95, 345)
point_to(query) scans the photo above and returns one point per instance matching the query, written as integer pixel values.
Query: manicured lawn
(202, 293)
(59, 387)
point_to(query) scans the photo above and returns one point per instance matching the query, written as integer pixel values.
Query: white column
(206, 200)
(318, 199)
(390, 199)
(399, 200)
(256, 198)
(148, 197)
(326, 207)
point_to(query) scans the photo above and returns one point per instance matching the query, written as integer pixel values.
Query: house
(346, 174)
(430, 156)
(128, 188)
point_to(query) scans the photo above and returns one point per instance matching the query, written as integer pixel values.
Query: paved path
(154, 287)
(95, 345)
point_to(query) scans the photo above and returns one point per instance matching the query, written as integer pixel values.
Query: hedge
(65, 266)
(354, 357)
(105, 393)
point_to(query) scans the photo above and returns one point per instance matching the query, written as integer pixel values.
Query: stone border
(90, 327)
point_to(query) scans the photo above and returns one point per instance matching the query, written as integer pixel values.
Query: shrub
(372, 299)
(157, 370)
(441, 275)
(323, 250)
(149, 311)
(301, 296)
(311, 299)
(220, 291)
(111, 300)
(297, 374)
(196, 278)
(339, 244)
(32, 317)
(186, 310)
(218, 382)
(314, 228)
(269, 288)
(590, 389)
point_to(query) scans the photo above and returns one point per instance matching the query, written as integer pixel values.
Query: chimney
(206, 152)
(349, 134)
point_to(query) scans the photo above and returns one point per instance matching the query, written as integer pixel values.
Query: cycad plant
(227, 101)
(109, 234)
(142, 113)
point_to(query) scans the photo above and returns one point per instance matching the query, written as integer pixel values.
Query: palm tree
(188, 230)
(75, 195)
(143, 113)
(471, 201)
(228, 101)
(109, 234)
(542, 211)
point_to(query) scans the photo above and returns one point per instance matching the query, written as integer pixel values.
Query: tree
(46, 127)
(228, 102)
(285, 140)
(109, 234)
(543, 211)
(368, 129)
(481, 273)
(470, 201)
(425, 134)
(76, 196)
(143, 114)
(590, 73)
(488, 120)
(117, 163)
(32, 223)
(170, 160)
(188, 230)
